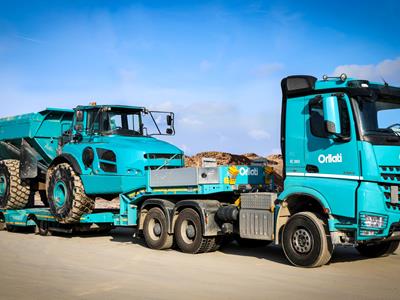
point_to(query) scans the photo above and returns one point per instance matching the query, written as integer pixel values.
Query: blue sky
(217, 64)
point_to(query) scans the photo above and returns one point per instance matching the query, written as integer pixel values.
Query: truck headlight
(373, 221)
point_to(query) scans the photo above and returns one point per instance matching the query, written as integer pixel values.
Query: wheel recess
(306, 240)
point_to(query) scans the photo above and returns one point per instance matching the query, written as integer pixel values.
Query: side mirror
(331, 115)
(169, 131)
(170, 120)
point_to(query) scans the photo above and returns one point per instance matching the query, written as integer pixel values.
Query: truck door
(332, 163)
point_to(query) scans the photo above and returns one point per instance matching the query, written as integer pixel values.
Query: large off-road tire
(377, 250)
(66, 195)
(155, 230)
(306, 241)
(189, 236)
(15, 193)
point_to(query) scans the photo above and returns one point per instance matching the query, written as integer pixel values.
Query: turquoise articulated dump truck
(340, 141)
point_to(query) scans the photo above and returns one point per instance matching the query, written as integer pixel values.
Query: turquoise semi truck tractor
(340, 141)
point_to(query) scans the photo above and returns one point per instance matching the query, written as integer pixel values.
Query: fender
(206, 210)
(282, 214)
(305, 191)
(167, 207)
(65, 157)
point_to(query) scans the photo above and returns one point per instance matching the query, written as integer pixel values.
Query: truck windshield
(379, 119)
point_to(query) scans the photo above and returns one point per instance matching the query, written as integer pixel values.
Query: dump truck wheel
(377, 250)
(188, 233)
(306, 241)
(66, 195)
(155, 230)
(15, 193)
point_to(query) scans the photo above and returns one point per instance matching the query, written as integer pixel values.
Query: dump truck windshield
(379, 119)
(123, 123)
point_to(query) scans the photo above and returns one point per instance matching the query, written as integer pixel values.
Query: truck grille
(386, 191)
(390, 174)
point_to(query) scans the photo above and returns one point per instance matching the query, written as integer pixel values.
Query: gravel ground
(116, 266)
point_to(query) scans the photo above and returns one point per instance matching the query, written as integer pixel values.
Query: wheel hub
(190, 231)
(157, 229)
(302, 241)
(60, 193)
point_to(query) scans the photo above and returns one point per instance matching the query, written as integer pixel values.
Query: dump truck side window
(91, 122)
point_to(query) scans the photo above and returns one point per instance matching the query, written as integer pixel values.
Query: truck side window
(317, 118)
(317, 125)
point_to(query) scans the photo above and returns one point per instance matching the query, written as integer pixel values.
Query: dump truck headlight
(373, 221)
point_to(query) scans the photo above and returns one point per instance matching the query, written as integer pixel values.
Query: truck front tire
(15, 193)
(306, 241)
(378, 250)
(66, 195)
(155, 230)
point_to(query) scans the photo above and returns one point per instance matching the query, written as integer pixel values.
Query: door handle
(312, 169)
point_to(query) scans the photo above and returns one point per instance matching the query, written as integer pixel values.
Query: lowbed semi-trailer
(340, 141)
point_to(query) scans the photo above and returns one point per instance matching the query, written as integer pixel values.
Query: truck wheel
(15, 193)
(306, 241)
(155, 230)
(42, 228)
(377, 250)
(188, 233)
(66, 195)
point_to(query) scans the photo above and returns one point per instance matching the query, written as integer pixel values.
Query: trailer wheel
(15, 193)
(306, 241)
(66, 195)
(3, 225)
(42, 228)
(377, 250)
(155, 230)
(188, 233)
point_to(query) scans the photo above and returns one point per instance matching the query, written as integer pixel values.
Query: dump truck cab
(111, 144)
(340, 140)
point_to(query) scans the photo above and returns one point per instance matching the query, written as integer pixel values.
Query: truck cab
(340, 140)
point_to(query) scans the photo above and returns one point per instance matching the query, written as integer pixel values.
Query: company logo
(329, 159)
(243, 171)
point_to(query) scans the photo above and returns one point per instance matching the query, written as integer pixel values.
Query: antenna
(384, 81)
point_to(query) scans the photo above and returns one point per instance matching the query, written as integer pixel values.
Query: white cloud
(266, 70)
(190, 121)
(389, 69)
(259, 134)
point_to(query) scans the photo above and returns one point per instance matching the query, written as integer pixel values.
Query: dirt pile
(222, 158)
